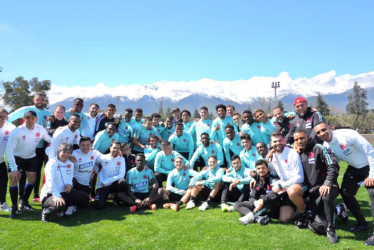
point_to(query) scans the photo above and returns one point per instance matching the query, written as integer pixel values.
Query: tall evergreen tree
(322, 106)
(357, 104)
(280, 104)
(161, 110)
(196, 114)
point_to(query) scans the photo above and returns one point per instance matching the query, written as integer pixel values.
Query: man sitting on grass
(235, 184)
(177, 185)
(207, 183)
(57, 193)
(263, 202)
(139, 179)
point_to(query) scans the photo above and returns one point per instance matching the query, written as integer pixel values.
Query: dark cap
(175, 110)
(30, 113)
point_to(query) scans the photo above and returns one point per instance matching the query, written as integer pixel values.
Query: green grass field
(115, 227)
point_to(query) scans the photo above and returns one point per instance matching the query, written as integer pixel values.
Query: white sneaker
(230, 208)
(224, 207)
(190, 205)
(203, 206)
(70, 210)
(5, 207)
(247, 218)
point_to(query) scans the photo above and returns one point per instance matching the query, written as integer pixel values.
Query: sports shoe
(343, 213)
(331, 235)
(115, 202)
(175, 207)
(132, 209)
(248, 218)
(45, 215)
(303, 221)
(14, 212)
(230, 209)
(92, 198)
(26, 207)
(370, 241)
(203, 206)
(360, 228)
(36, 199)
(5, 207)
(224, 207)
(153, 206)
(70, 210)
(263, 220)
(190, 205)
(167, 205)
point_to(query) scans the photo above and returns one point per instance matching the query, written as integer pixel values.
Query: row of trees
(18, 93)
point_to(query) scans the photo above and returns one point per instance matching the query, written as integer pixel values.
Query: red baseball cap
(298, 100)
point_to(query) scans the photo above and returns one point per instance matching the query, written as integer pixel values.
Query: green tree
(161, 110)
(196, 114)
(357, 105)
(168, 112)
(280, 104)
(19, 92)
(322, 106)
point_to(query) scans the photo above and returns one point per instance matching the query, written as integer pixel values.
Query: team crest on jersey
(144, 177)
(254, 155)
(213, 151)
(45, 117)
(289, 125)
(275, 123)
(68, 166)
(286, 161)
(67, 138)
(238, 144)
(258, 126)
(76, 136)
(118, 163)
(342, 146)
(309, 119)
(80, 160)
(172, 160)
(92, 157)
(311, 155)
(184, 140)
(112, 140)
(37, 134)
(169, 132)
(208, 125)
(211, 142)
(6, 132)
(23, 137)
(126, 127)
(184, 174)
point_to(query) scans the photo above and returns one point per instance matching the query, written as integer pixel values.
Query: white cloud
(238, 90)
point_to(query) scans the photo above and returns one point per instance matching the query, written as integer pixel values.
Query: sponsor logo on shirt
(141, 184)
(85, 165)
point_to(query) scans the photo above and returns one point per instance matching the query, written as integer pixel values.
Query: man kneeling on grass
(207, 183)
(263, 202)
(235, 184)
(177, 185)
(139, 179)
(57, 193)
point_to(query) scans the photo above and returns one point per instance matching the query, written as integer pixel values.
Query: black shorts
(285, 200)
(27, 165)
(175, 197)
(80, 187)
(141, 196)
(206, 192)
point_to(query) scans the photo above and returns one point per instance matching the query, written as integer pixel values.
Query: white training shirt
(4, 136)
(288, 167)
(89, 129)
(61, 135)
(22, 143)
(351, 147)
(112, 169)
(84, 165)
(57, 175)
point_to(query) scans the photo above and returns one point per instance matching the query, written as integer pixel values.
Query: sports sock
(210, 198)
(167, 201)
(13, 191)
(179, 203)
(192, 198)
(338, 210)
(28, 190)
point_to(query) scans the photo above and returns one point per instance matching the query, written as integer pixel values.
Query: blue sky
(142, 42)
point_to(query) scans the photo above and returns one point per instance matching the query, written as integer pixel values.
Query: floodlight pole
(275, 85)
